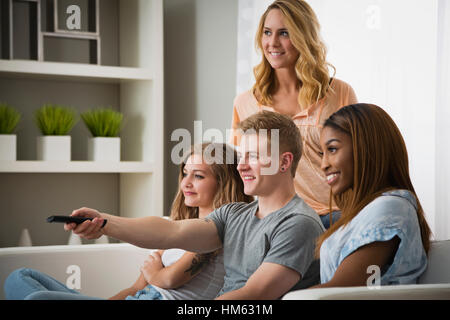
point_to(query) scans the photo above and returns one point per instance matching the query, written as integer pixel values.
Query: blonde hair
(230, 185)
(380, 163)
(311, 67)
(289, 134)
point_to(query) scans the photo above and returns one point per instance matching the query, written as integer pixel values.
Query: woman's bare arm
(177, 274)
(353, 269)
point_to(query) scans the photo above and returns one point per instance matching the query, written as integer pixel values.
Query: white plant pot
(104, 149)
(102, 240)
(8, 147)
(53, 148)
(74, 239)
(25, 239)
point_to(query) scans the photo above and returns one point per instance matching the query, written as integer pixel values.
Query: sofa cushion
(395, 292)
(438, 269)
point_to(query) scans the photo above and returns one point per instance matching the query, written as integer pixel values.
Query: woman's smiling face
(199, 185)
(277, 46)
(337, 159)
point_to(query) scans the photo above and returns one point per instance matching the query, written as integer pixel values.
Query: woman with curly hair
(293, 79)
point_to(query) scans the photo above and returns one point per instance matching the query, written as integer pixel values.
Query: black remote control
(70, 219)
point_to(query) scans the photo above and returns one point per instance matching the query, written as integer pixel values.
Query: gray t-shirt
(286, 237)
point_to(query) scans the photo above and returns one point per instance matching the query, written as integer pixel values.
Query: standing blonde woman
(293, 79)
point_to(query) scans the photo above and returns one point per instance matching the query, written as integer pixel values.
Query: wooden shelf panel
(72, 71)
(75, 167)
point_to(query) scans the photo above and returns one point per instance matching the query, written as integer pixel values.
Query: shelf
(75, 167)
(72, 71)
(131, 81)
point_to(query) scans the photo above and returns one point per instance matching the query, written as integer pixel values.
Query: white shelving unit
(139, 80)
(75, 167)
(73, 71)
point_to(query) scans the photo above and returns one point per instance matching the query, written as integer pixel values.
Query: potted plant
(9, 119)
(55, 122)
(105, 125)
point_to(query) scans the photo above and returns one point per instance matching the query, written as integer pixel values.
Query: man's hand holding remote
(88, 229)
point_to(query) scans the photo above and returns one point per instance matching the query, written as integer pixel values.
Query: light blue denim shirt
(392, 214)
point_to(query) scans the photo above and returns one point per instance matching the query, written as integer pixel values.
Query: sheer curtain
(395, 54)
(442, 130)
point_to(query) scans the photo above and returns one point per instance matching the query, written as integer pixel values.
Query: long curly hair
(311, 67)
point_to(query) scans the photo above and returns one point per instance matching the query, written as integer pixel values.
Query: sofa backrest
(102, 269)
(438, 270)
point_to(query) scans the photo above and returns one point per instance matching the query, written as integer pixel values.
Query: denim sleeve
(381, 221)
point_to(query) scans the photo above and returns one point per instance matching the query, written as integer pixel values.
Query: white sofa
(105, 269)
(433, 284)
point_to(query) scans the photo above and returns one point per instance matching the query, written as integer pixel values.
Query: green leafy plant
(55, 120)
(103, 122)
(9, 119)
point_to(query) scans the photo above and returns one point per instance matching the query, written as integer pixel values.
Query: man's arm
(198, 235)
(270, 281)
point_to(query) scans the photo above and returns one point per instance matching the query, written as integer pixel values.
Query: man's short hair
(290, 139)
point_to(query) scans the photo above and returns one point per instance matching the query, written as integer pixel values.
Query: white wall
(200, 70)
(387, 50)
(395, 54)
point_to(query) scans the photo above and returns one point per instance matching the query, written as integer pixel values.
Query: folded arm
(177, 274)
(140, 284)
(353, 269)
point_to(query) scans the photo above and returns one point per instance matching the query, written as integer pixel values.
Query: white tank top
(171, 256)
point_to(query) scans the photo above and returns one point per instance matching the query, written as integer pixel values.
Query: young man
(268, 244)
